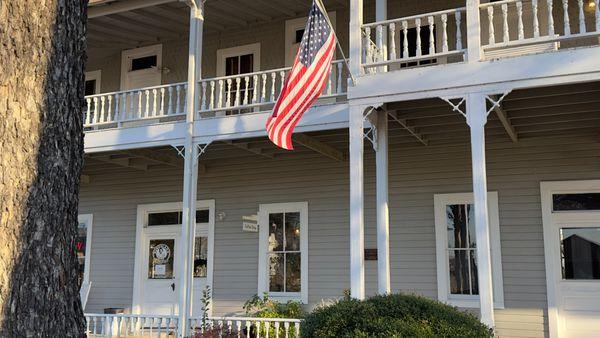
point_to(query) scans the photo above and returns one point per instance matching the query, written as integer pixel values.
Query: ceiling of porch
(530, 113)
(111, 28)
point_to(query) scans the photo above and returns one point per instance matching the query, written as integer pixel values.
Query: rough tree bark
(42, 58)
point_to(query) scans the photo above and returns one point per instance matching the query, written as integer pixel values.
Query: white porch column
(190, 172)
(383, 220)
(355, 36)
(474, 52)
(357, 248)
(477, 118)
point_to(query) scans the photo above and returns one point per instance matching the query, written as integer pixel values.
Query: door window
(161, 258)
(200, 256)
(576, 202)
(580, 253)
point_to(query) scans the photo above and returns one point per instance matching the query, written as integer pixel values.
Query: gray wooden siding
(416, 174)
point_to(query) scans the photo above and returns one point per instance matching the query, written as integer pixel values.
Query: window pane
(202, 216)
(164, 218)
(90, 87)
(276, 232)
(573, 202)
(299, 35)
(292, 272)
(80, 246)
(160, 258)
(246, 63)
(232, 65)
(459, 271)
(457, 227)
(143, 62)
(580, 253)
(276, 263)
(471, 226)
(200, 256)
(474, 275)
(292, 231)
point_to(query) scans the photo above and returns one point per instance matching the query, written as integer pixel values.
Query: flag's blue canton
(315, 34)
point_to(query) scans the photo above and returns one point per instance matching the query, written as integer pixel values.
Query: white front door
(158, 276)
(141, 67)
(572, 240)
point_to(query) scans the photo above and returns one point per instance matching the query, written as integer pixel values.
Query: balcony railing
(132, 326)
(407, 45)
(220, 96)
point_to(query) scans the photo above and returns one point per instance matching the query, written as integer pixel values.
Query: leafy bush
(265, 307)
(395, 315)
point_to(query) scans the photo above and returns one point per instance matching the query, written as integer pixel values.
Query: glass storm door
(160, 282)
(576, 220)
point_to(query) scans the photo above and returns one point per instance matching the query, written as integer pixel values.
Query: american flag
(306, 80)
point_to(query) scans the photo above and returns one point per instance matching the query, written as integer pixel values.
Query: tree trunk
(42, 59)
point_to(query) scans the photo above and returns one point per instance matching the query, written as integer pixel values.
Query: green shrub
(395, 315)
(265, 307)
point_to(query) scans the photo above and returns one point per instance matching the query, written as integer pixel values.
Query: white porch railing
(444, 39)
(133, 326)
(134, 105)
(258, 91)
(513, 23)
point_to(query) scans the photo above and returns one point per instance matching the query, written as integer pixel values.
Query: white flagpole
(320, 4)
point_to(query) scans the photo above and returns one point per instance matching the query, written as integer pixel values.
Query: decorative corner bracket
(201, 149)
(371, 132)
(456, 106)
(495, 101)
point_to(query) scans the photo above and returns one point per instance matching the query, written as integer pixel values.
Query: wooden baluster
(255, 87)
(131, 112)
(170, 105)
(550, 18)
(109, 111)
(273, 78)
(220, 95)
(536, 21)
(582, 28)
(162, 101)
(367, 45)
(238, 324)
(88, 113)
(228, 90)
(431, 22)
(520, 29)
(248, 327)
(147, 93)
(96, 111)
(491, 33)
(267, 329)
(178, 106)
(237, 91)
(505, 33)
(203, 105)
(457, 17)
(340, 84)
(281, 80)
(444, 33)
(95, 326)
(379, 43)
(405, 39)
(297, 327)
(286, 327)
(276, 329)
(212, 95)
(329, 89)
(264, 88)
(392, 41)
(154, 102)
(567, 24)
(418, 24)
(247, 83)
(102, 115)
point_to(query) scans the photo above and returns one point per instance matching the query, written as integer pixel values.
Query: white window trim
(223, 54)
(263, 273)
(441, 237)
(129, 54)
(293, 25)
(86, 284)
(141, 221)
(95, 75)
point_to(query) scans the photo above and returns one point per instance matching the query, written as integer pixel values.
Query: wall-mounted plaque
(250, 223)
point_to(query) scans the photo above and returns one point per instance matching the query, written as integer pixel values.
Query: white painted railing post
(476, 119)
(383, 218)
(381, 15)
(356, 21)
(474, 53)
(357, 268)
(190, 172)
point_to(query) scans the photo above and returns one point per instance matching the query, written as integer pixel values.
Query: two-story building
(459, 161)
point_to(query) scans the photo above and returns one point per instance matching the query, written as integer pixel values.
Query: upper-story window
(456, 249)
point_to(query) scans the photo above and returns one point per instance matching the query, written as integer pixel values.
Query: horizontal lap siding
(238, 186)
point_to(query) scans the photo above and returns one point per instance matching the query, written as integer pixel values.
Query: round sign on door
(161, 259)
